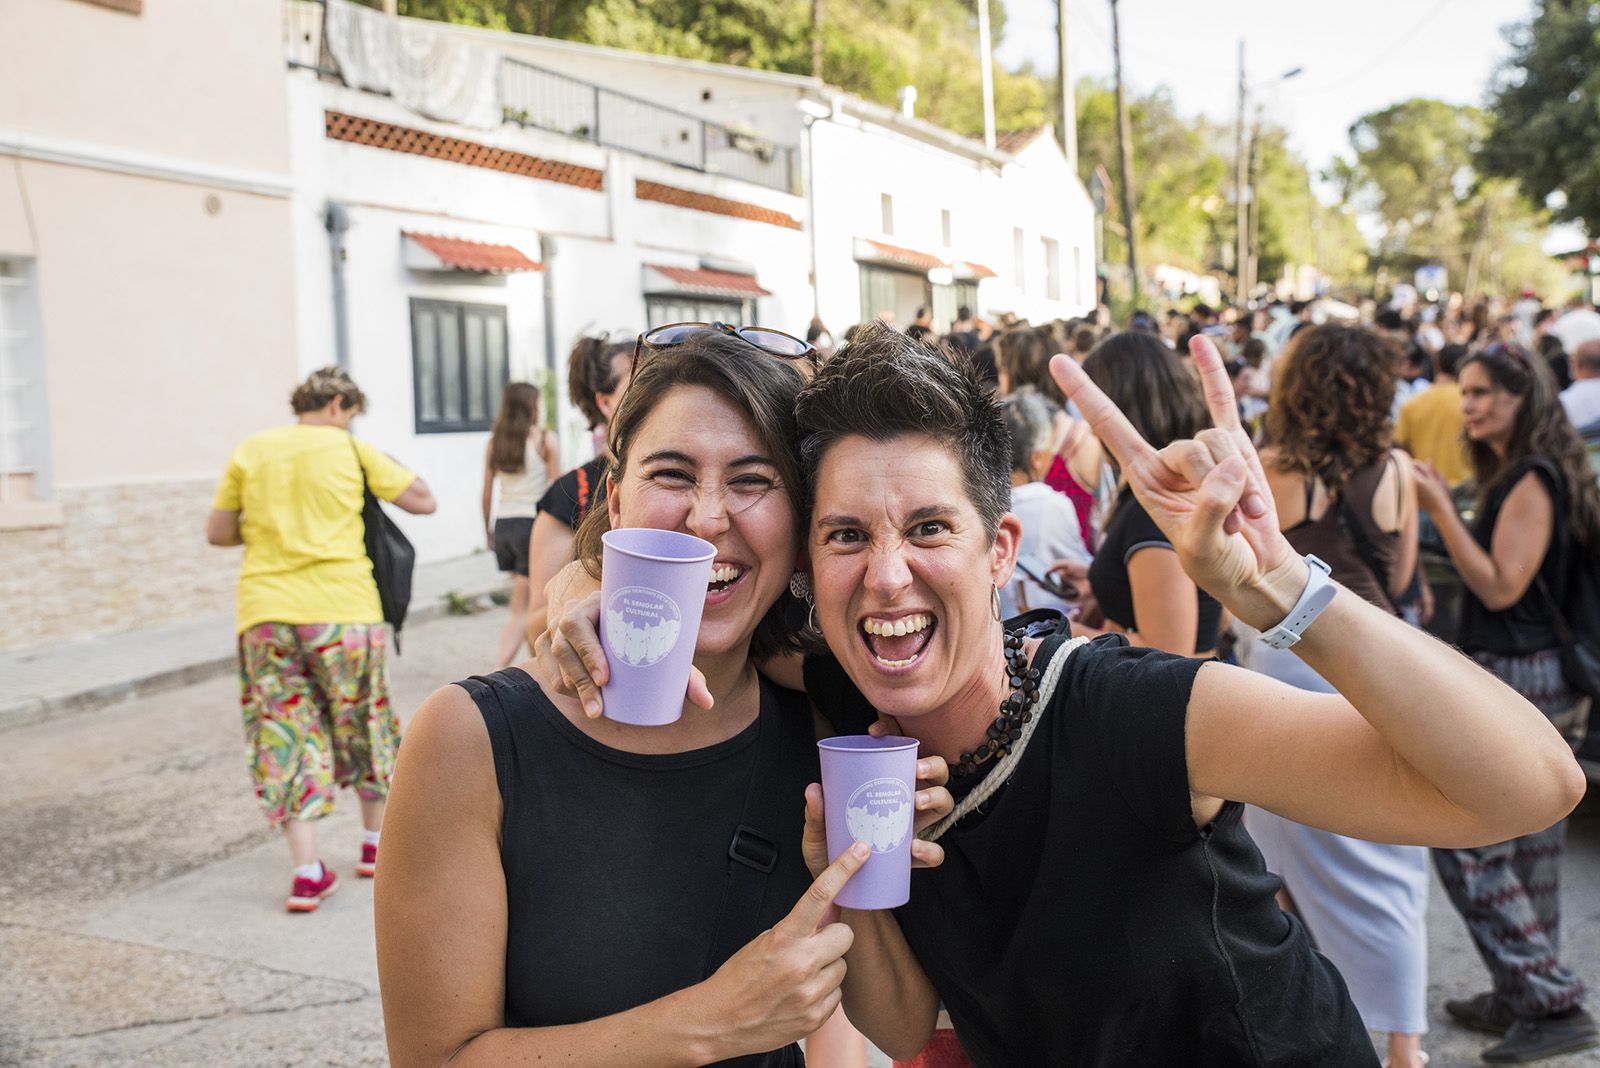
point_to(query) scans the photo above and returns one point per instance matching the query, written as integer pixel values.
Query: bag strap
(366, 489)
(753, 852)
(1560, 543)
(1365, 549)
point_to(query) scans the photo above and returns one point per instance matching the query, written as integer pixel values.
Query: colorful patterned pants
(315, 699)
(1509, 894)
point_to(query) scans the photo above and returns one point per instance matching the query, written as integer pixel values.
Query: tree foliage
(1545, 104)
(1413, 169)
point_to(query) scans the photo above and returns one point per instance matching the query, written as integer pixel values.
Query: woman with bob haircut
(1344, 494)
(1538, 519)
(560, 887)
(1138, 580)
(1100, 902)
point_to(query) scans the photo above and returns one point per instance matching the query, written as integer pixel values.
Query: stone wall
(124, 557)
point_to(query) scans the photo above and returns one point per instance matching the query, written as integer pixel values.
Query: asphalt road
(141, 894)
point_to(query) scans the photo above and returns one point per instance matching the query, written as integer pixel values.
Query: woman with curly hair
(1345, 496)
(1538, 516)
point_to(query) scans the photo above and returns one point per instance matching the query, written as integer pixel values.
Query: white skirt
(1365, 903)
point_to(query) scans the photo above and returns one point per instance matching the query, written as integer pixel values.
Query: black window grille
(459, 364)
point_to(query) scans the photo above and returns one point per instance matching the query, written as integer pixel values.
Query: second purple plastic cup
(652, 592)
(869, 795)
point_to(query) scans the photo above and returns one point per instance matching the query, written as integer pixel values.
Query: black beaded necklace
(1015, 710)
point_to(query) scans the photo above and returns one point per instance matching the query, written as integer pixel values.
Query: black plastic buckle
(753, 849)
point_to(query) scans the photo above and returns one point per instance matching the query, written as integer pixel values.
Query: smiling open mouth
(724, 577)
(896, 643)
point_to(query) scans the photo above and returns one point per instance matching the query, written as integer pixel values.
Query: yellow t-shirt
(305, 557)
(1430, 427)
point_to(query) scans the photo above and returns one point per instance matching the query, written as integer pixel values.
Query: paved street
(141, 897)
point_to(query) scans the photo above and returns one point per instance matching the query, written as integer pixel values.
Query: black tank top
(1527, 626)
(1081, 920)
(616, 863)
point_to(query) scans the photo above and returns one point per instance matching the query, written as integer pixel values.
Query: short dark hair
(590, 371)
(883, 385)
(1023, 355)
(1390, 319)
(1448, 359)
(761, 387)
(1152, 385)
(963, 312)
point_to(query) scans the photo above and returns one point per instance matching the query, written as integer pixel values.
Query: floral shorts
(315, 699)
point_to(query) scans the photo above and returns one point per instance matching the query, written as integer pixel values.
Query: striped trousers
(1509, 893)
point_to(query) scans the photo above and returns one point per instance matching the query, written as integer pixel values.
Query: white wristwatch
(1318, 593)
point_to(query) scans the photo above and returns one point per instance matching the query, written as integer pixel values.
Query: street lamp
(1243, 281)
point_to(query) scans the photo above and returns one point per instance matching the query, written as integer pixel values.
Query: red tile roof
(968, 269)
(908, 257)
(694, 279)
(466, 255)
(688, 198)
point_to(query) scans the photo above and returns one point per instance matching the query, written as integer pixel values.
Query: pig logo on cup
(642, 625)
(879, 812)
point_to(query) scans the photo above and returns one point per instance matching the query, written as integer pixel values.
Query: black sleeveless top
(1080, 918)
(1130, 529)
(1527, 626)
(616, 863)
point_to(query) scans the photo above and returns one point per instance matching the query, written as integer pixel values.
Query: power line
(1400, 42)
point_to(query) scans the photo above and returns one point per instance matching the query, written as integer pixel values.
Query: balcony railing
(532, 96)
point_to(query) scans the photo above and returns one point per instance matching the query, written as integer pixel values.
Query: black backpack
(1576, 614)
(392, 556)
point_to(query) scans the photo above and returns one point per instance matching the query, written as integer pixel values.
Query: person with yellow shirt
(313, 646)
(1431, 425)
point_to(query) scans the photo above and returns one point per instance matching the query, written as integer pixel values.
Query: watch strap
(1319, 591)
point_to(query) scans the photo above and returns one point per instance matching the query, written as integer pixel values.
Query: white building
(443, 210)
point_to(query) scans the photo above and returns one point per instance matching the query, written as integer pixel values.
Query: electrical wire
(1400, 42)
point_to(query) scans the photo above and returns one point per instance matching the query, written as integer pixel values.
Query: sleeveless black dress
(617, 863)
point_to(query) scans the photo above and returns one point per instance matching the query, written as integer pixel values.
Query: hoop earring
(994, 601)
(811, 616)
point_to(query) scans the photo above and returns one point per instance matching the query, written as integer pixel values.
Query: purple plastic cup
(869, 795)
(652, 592)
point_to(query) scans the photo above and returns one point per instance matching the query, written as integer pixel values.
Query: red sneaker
(308, 893)
(368, 866)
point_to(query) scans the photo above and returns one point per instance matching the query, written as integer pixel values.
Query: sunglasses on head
(772, 342)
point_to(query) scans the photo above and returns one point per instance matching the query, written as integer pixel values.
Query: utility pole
(816, 39)
(1069, 109)
(1240, 196)
(986, 68)
(1124, 151)
(1253, 232)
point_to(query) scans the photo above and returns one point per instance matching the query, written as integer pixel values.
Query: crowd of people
(1213, 846)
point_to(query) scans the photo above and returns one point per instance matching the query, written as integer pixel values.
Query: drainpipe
(337, 221)
(547, 255)
(809, 150)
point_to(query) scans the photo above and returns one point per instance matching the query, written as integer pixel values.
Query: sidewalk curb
(30, 711)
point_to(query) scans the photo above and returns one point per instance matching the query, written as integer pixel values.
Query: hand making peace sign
(1208, 494)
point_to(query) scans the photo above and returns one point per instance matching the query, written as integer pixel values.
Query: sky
(1357, 56)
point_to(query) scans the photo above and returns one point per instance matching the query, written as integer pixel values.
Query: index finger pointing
(814, 910)
(1214, 381)
(1104, 417)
